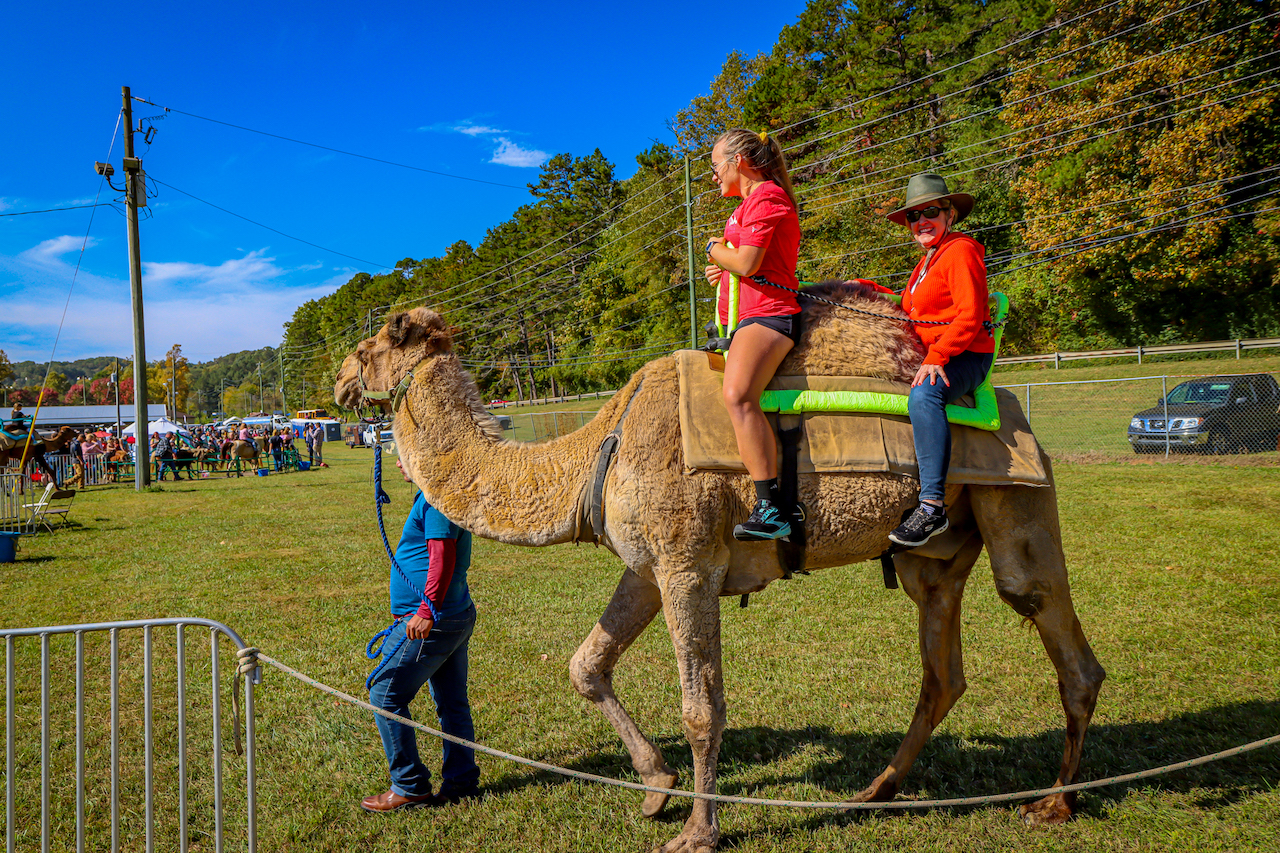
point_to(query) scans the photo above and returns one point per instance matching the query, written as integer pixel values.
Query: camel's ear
(437, 335)
(398, 328)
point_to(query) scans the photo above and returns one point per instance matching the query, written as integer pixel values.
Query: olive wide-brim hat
(927, 187)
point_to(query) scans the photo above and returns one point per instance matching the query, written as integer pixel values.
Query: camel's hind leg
(936, 586)
(634, 604)
(1023, 538)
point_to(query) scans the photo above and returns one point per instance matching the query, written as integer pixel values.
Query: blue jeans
(927, 408)
(441, 661)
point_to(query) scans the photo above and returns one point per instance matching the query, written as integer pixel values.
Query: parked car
(1213, 414)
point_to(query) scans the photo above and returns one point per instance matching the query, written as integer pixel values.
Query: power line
(921, 79)
(327, 148)
(1009, 73)
(375, 264)
(55, 209)
(842, 198)
(1036, 96)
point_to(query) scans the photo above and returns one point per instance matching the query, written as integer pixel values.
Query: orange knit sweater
(954, 291)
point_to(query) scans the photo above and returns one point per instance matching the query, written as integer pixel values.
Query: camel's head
(380, 362)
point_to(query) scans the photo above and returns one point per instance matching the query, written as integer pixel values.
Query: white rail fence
(84, 774)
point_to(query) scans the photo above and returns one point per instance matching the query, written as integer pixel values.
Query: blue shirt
(426, 522)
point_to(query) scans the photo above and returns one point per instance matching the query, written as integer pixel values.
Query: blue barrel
(8, 546)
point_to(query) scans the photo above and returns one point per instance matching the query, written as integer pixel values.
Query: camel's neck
(522, 494)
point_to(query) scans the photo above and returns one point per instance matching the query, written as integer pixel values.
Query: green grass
(1174, 576)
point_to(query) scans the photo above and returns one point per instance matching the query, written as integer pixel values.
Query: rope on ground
(249, 657)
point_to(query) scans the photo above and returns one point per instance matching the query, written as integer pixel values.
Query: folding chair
(49, 508)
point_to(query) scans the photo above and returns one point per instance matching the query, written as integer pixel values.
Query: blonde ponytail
(763, 153)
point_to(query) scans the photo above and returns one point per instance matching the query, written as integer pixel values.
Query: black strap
(791, 551)
(605, 457)
(888, 569)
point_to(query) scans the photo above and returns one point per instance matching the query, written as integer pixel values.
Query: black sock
(767, 490)
(933, 509)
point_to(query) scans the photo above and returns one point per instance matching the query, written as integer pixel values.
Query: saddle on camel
(653, 479)
(18, 442)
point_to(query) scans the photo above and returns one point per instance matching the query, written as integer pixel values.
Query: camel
(672, 531)
(37, 449)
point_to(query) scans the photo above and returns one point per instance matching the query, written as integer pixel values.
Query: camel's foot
(1051, 811)
(654, 802)
(879, 791)
(696, 838)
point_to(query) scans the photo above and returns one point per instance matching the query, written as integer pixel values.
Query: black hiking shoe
(765, 522)
(922, 525)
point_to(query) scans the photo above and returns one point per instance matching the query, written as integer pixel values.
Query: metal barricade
(14, 496)
(53, 741)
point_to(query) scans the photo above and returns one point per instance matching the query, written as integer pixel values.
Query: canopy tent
(160, 425)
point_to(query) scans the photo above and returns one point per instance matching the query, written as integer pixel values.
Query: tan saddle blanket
(853, 442)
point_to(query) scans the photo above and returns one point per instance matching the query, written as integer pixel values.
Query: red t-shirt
(768, 219)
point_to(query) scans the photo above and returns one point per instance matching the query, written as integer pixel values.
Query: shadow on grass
(949, 767)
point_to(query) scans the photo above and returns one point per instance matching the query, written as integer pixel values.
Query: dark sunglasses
(930, 212)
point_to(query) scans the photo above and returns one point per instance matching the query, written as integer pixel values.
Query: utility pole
(173, 386)
(260, 403)
(284, 406)
(132, 183)
(693, 272)
(115, 380)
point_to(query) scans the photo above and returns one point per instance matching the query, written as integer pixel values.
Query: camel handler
(419, 649)
(947, 294)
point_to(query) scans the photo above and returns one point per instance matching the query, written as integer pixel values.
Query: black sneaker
(921, 526)
(765, 522)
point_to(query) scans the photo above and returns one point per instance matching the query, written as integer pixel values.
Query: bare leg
(691, 606)
(634, 604)
(936, 586)
(1031, 576)
(752, 360)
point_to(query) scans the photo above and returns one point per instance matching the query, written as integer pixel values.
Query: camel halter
(395, 395)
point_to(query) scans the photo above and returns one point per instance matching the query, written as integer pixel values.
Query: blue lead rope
(380, 497)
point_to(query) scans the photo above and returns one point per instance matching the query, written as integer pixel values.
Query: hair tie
(763, 135)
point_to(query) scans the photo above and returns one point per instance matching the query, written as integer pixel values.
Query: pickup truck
(1212, 414)
(376, 434)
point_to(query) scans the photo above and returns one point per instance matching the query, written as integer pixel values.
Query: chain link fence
(1174, 415)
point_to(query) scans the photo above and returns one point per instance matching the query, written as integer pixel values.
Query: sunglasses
(930, 212)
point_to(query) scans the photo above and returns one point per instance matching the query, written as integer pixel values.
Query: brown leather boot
(390, 801)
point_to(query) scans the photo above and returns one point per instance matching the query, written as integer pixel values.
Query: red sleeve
(759, 220)
(967, 280)
(441, 553)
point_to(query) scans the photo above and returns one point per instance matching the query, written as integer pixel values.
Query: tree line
(1121, 153)
(228, 384)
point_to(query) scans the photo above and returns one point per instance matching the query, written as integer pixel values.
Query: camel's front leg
(691, 605)
(634, 604)
(936, 587)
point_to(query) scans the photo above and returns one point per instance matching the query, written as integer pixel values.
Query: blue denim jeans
(441, 661)
(927, 408)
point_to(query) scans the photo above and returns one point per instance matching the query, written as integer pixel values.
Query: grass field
(1174, 575)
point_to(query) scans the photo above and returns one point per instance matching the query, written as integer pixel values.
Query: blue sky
(482, 91)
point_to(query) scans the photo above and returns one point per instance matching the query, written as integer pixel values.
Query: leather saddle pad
(853, 442)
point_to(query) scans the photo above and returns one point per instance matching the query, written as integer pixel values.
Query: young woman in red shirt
(947, 292)
(760, 244)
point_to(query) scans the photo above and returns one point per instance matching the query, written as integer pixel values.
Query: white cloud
(5, 204)
(509, 154)
(211, 309)
(49, 252)
(253, 270)
(478, 129)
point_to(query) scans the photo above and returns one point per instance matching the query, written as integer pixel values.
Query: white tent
(160, 425)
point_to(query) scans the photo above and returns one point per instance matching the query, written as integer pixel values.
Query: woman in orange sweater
(947, 297)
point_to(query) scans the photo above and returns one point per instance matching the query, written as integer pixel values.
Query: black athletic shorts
(788, 325)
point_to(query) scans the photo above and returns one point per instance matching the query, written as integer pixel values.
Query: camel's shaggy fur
(673, 532)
